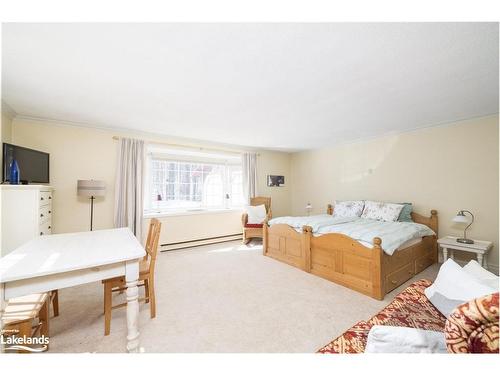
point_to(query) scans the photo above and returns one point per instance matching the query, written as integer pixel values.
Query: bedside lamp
(309, 208)
(461, 218)
(91, 189)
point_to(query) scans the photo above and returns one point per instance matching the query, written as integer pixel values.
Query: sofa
(471, 328)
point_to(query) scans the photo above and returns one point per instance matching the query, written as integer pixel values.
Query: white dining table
(64, 260)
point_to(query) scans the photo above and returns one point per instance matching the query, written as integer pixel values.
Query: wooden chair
(21, 314)
(146, 276)
(255, 230)
(54, 299)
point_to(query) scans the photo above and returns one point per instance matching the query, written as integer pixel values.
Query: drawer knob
(394, 282)
(50, 212)
(50, 197)
(41, 198)
(50, 227)
(41, 215)
(41, 233)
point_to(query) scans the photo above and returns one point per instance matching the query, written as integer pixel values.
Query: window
(179, 182)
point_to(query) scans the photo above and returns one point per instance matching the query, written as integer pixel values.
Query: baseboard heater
(200, 242)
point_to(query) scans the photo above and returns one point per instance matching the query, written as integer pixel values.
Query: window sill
(204, 211)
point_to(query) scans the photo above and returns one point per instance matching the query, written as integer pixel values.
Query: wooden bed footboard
(284, 243)
(347, 262)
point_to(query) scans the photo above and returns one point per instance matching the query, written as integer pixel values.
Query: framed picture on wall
(273, 180)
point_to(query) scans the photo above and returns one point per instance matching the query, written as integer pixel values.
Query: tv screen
(33, 164)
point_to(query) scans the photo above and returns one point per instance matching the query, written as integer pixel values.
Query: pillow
(405, 215)
(256, 214)
(388, 339)
(348, 208)
(453, 283)
(445, 305)
(381, 211)
(485, 277)
(473, 326)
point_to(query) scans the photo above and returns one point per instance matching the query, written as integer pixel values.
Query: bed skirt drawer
(423, 262)
(396, 278)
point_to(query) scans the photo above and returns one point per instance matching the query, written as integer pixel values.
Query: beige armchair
(255, 230)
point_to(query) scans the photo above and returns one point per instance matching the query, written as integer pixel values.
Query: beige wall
(275, 163)
(445, 168)
(5, 132)
(84, 153)
(75, 153)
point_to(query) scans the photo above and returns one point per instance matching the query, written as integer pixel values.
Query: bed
(337, 257)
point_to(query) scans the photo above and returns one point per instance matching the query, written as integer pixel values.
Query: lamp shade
(460, 218)
(91, 188)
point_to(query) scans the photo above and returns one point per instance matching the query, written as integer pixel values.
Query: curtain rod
(116, 138)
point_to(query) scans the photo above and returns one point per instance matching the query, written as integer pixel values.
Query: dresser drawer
(45, 228)
(396, 278)
(45, 198)
(45, 213)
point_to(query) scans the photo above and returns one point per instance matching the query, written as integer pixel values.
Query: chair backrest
(152, 243)
(266, 201)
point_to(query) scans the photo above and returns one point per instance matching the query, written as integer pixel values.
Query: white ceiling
(276, 86)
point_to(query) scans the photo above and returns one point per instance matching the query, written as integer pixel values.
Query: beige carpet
(220, 298)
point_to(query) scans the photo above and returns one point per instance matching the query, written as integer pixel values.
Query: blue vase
(14, 173)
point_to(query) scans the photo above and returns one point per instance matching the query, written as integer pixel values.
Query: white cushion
(388, 339)
(381, 211)
(485, 277)
(256, 214)
(455, 285)
(348, 208)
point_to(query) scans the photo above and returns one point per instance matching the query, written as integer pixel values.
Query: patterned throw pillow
(348, 208)
(381, 211)
(473, 326)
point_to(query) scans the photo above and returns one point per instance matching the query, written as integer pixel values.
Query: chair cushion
(253, 225)
(23, 308)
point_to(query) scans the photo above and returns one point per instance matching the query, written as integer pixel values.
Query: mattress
(403, 246)
(394, 235)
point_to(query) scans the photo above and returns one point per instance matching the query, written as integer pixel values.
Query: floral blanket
(410, 308)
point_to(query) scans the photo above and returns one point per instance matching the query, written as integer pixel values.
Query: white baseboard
(205, 241)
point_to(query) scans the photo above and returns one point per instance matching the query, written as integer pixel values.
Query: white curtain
(129, 191)
(249, 166)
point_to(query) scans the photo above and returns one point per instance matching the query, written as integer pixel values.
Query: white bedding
(394, 235)
(388, 339)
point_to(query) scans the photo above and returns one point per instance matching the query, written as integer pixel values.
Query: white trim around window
(183, 182)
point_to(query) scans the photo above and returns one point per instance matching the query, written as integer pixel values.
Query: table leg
(452, 254)
(480, 259)
(445, 254)
(131, 279)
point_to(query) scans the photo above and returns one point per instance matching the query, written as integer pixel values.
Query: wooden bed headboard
(431, 221)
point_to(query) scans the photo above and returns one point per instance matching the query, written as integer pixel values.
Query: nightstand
(450, 244)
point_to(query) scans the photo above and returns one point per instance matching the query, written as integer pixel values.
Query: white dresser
(26, 213)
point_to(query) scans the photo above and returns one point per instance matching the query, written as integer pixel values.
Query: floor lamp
(91, 189)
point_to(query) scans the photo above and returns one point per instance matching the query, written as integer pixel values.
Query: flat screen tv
(33, 164)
